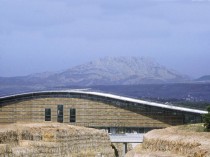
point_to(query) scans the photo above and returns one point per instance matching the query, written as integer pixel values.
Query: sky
(54, 35)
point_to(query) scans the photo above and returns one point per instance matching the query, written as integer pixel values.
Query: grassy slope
(184, 140)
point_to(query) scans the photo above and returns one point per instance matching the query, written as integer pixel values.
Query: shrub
(206, 119)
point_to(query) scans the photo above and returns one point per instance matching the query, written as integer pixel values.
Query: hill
(205, 78)
(105, 71)
(178, 141)
(176, 93)
(120, 71)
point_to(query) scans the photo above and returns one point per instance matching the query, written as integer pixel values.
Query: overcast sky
(53, 35)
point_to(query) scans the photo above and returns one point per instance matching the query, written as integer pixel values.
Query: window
(47, 114)
(72, 115)
(60, 113)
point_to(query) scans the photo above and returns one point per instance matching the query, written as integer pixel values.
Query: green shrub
(206, 119)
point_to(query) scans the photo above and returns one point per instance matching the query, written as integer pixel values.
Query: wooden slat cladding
(91, 113)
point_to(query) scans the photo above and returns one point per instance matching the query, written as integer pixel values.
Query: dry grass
(192, 127)
(185, 140)
(53, 139)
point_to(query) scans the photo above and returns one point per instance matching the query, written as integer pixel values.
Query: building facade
(114, 113)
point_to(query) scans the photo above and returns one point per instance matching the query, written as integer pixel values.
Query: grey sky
(52, 35)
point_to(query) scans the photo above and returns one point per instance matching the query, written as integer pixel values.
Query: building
(114, 113)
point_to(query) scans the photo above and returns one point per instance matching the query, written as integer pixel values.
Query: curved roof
(107, 95)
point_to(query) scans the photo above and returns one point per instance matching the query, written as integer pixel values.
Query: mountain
(105, 71)
(119, 70)
(205, 78)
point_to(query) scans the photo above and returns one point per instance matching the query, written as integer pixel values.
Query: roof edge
(118, 97)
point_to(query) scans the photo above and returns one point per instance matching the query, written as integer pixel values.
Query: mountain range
(205, 78)
(131, 76)
(105, 71)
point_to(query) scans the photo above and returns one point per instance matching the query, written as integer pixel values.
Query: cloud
(60, 34)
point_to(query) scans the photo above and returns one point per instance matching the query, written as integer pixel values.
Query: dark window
(47, 114)
(60, 114)
(189, 118)
(72, 115)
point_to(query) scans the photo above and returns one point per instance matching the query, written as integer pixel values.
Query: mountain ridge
(104, 71)
(122, 70)
(205, 78)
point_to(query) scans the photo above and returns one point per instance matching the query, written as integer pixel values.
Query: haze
(53, 35)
